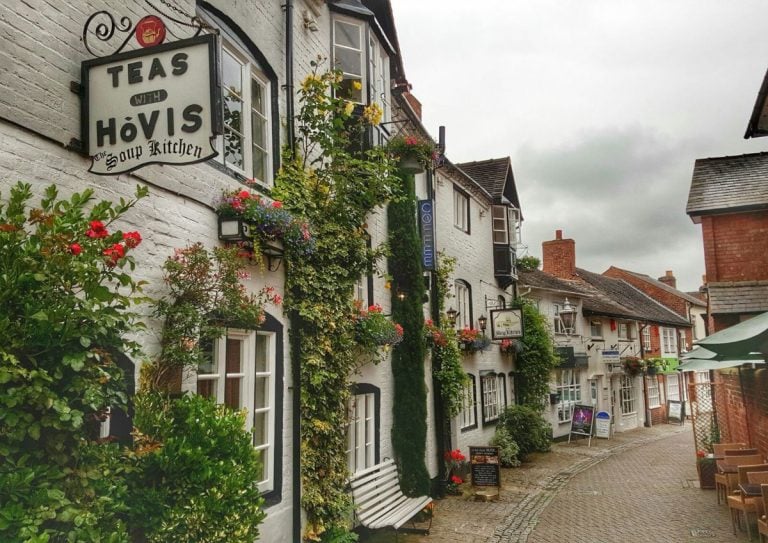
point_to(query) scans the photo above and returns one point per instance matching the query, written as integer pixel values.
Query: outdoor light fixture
(567, 315)
(232, 229)
(400, 295)
(274, 256)
(483, 322)
(452, 315)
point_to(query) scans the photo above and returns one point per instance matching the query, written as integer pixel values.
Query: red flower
(277, 299)
(75, 249)
(132, 239)
(375, 308)
(399, 329)
(455, 479)
(244, 194)
(701, 454)
(277, 204)
(113, 254)
(97, 230)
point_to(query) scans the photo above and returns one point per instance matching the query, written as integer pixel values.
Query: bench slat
(379, 502)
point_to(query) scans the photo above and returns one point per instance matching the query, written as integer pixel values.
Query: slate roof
(642, 305)
(605, 296)
(742, 297)
(494, 175)
(728, 183)
(545, 281)
(660, 284)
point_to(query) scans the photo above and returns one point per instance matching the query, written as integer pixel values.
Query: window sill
(258, 187)
(468, 428)
(460, 229)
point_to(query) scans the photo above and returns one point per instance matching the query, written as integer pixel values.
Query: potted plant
(632, 365)
(653, 365)
(508, 346)
(373, 330)
(706, 468)
(413, 153)
(472, 340)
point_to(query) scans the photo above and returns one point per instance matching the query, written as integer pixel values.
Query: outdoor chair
(738, 503)
(758, 478)
(762, 521)
(720, 448)
(725, 483)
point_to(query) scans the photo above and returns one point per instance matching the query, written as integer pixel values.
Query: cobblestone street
(639, 486)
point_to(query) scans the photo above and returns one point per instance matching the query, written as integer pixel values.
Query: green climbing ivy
(409, 425)
(334, 188)
(537, 358)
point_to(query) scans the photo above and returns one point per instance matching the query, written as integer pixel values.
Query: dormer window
(500, 225)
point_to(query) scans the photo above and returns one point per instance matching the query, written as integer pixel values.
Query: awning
(699, 364)
(701, 353)
(740, 339)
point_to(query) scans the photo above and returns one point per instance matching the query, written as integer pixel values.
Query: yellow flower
(372, 114)
(357, 85)
(349, 107)
(309, 80)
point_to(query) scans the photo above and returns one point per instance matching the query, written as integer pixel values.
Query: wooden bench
(379, 502)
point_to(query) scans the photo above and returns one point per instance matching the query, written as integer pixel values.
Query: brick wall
(735, 246)
(745, 413)
(559, 256)
(664, 297)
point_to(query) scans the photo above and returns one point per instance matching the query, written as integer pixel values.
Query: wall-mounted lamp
(400, 295)
(567, 315)
(274, 256)
(452, 315)
(232, 229)
(483, 322)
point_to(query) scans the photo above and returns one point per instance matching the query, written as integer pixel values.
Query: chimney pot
(558, 234)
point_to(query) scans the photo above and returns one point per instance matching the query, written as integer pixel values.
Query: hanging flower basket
(472, 340)
(632, 365)
(413, 153)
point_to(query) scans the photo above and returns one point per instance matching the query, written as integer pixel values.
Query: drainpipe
(648, 422)
(295, 370)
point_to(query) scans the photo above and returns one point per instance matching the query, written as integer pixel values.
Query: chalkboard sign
(675, 411)
(484, 466)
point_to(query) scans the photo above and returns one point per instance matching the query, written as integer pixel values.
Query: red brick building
(664, 291)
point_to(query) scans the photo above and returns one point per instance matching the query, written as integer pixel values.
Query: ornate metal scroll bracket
(103, 25)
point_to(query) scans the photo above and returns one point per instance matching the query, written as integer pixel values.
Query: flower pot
(409, 164)
(706, 469)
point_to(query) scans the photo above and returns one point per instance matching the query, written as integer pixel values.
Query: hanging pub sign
(158, 105)
(427, 224)
(506, 323)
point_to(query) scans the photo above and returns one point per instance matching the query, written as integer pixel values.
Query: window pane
(349, 62)
(232, 73)
(261, 354)
(233, 111)
(261, 397)
(234, 347)
(347, 34)
(258, 130)
(233, 149)
(260, 434)
(233, 392)
(257, 96)
(261, 454)
(207, 388)
(209, 365)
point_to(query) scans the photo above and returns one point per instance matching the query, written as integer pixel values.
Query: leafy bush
(525, 426)
(196, 473)
(66, 312)
(509, 451)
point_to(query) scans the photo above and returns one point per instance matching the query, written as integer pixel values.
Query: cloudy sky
(603, 106)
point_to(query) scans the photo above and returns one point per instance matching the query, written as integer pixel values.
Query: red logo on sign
(150, 31)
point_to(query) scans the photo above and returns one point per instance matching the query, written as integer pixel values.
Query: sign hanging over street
(158, 105)
(506, 323)
(427, 225)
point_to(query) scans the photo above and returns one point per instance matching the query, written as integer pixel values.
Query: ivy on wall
(537, 358)
(334, 189)
(409, 425)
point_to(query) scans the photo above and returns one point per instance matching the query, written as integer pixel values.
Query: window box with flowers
(264, 222)
(509, 347)
(472, 340)
(413, 153)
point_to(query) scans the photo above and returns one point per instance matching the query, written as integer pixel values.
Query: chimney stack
(669, 279)
(559, 256)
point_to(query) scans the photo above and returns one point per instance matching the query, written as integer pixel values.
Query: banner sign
(159, 105)
(427, 224)
(506, 323)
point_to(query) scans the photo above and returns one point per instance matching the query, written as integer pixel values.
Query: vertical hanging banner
(427, 225)
(158, 105)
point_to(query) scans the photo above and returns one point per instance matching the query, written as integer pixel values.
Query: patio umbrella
(703, 364)
(740, 339)
(700, 353)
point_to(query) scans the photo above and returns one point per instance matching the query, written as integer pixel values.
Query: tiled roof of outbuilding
(539, 279)
(659, 284)
(728, 183)
(640, 305)
(742, 297)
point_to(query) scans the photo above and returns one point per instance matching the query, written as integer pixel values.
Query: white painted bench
(379, 502)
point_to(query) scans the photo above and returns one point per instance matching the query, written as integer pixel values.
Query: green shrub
(509, 451)
(196, 473)
(527, 429)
